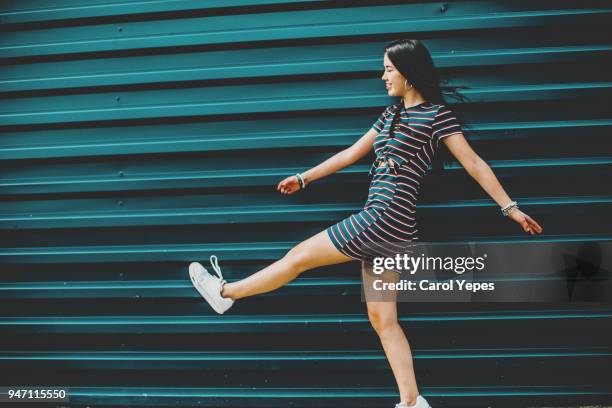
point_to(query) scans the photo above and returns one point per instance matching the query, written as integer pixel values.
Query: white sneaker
(420, 403)
(209, 285)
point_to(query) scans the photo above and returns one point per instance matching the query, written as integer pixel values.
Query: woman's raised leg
(316, 251)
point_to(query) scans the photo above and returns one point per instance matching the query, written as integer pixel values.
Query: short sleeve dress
(403, 157)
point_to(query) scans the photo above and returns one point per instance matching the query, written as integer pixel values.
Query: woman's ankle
(226, 291)
(411, 400)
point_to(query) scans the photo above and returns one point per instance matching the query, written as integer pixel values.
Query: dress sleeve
(445, 124)
(380, 122)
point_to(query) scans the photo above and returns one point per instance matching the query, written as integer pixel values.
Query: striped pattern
(389, 216)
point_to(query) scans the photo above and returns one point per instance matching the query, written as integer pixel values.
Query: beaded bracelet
(301, 180)
(506, 210)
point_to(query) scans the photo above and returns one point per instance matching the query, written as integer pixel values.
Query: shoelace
(215, 264)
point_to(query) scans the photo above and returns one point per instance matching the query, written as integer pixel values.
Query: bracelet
(506, 210)
(301, 180)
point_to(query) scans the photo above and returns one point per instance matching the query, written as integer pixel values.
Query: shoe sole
(202, 292)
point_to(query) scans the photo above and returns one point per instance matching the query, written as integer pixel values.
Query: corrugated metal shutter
(140, 135)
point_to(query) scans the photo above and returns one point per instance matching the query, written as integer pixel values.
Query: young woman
(405, 138)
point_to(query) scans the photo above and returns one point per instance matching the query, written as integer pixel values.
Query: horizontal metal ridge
(274, 323)
(161, 179)
(228, 251)
(161, 288)
(185, 252)
(172, 178)
(566, 161)
(221, 100)
(262, 358)
(274, 26)
(281, 61)
(42, 12)
(262, 320)
(116, 141)
(164, 289)
(240, 214)
(226, 214)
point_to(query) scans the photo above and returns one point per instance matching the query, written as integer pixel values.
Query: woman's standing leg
(316, 251)
(383, 316)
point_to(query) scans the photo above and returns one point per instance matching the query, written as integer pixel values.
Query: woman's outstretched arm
(482, 173)
(338, 161)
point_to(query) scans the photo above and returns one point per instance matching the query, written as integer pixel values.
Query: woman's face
(394, 81)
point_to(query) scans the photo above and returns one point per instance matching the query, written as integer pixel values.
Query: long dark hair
(413, 60)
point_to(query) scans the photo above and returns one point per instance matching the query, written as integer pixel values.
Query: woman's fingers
(526, 222)
(521, 218)
(283, 187)
(534, 225)
(531, 225)
(525, 226)
(288, 185)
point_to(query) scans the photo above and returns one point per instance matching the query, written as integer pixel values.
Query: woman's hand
(528, 223)
(289, 185)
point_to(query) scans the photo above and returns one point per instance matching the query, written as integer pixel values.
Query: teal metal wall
(138, 136)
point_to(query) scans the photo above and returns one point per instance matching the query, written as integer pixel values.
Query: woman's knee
(297, 258)
(314, 252)
(382, 320)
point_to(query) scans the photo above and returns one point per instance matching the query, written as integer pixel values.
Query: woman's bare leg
(316, 251)
(383, 316)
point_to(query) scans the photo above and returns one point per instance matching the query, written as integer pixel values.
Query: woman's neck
(412, 99)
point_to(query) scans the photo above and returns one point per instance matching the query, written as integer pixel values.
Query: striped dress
(388, 220)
